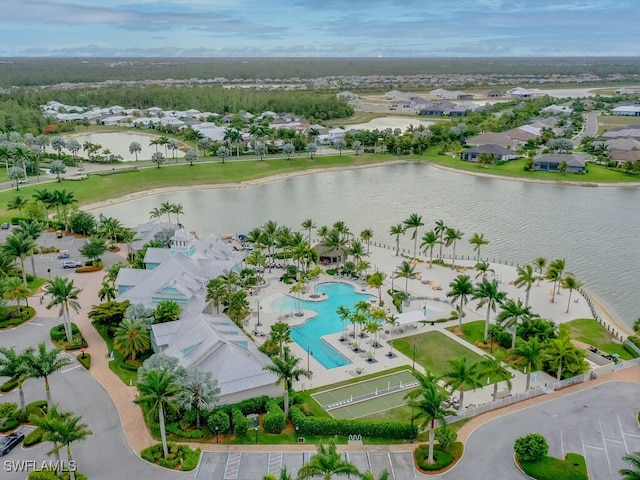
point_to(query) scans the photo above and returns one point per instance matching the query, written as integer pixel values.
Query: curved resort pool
(309, 334)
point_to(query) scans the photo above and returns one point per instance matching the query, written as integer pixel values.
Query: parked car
(9, 442)
(71, 264)
(6, 226)
(58, 233)
(23, 181)
(63, 255)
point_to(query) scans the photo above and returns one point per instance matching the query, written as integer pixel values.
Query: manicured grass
(573, 467)
(128, 377)
(473, 333)
(434, 350)
(35, 284)
(591, 332)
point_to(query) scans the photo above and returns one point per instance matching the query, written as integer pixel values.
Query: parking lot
(253, 465)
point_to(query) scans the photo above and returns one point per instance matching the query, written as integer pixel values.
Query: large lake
(595, 229)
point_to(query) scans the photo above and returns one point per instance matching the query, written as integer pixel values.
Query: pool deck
(438, 278)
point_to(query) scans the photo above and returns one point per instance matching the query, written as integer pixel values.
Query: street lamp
(217, 427)
(309, 353)
(413, 358)
(256, 429)
(258, 308)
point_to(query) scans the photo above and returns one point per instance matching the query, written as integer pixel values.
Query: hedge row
(332, 426)
(33, 438)
(274, 420)
(240, 423)
(176, 430)
(178, 455)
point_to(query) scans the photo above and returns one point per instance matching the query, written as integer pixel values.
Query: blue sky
(319, 28)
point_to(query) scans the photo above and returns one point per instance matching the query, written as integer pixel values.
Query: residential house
(555, 109)
(500, 153)
(550, 162)
(520, 92)
(627, 110)
(511, 139)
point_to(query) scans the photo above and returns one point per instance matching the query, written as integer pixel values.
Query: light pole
(256, 429)
(258, 308)
(308, 356)
(413, 358)
(217, 427)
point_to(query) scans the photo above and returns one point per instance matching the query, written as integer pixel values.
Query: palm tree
(286, 368)
(46, 198)
(482, 268)
(369, 475)
(281, 334)
(429, 240)
(135, 148)
(488, 294)
(216, 291)
(511, 312)
(450, 238)
(308, 225)
(178, 209)
(131, 337)
(530, 352)
(32, 229)
(391, 321)
(440, 230)
(345, 314)
(397, 230)
(17, 203)
(414, 221)
(62, 428)
(64, 293)
(492, 367)
(326, 464)
(366, 235)
(539, 263)
(376, 280)
(19, 246)
(14, 289)
(407, 271)
(158, 390)
(157, 158)
(156, 141)
(478, 241)
(559, 351)
(461, 290)
(427, 402)
(526, 278)
(223, 153)
(559, 266)
(42, 364)
(632, 473)
(554, 276)
(462, 376)
(571, 284)
(13, 366)
(155, 213)
(198, 391)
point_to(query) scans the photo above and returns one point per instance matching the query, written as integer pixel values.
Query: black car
(9, 442)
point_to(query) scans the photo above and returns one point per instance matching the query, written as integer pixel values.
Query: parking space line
(72, 368)
(232, 468)
(605, 446)
(393, 474)
(581, 440)
(561, 444)
(626, 447)
(275, 463)
(369, 462)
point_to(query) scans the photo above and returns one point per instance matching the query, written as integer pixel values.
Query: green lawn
(573, 467)
(434, 350)
(591, 332)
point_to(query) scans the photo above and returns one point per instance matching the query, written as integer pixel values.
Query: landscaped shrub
(40, 405)
(13, 316)
(33, 438)
(10, 424)
(441, 459)
(190, 459)
(221, 420)
(240, 423)
(178, 455)
(573, 467)
(531, 447)
(8, 385)
(59, 337)
(84, 359)
(445, 435)
(274, 420)
(251, 405)
(176, 430)
(333, 426)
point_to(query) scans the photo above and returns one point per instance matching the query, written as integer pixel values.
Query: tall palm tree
(19, 246)
(478, 241)
(491, 366)
(414, 221)
(407, 271)
(397, 230)
(15, 290)
(135, 148)
(131, 337)
(281, 334)
(327, 463)
(462, 376)
(531, 353)
(366, 235)
(633, 473)
(216, 292)
(526, 278)
(46, 198)
(461, 290)
(63, 292)
(559, 351)
(559, 266)
(335, 242)
(17, 203)
(440, 230)
(32, 229)
(287, 370)
(62, 428)
(539, 263)
(308, 225)
(489, 294)
(345, 314)
(376, 280)
(429, 240)
(483, 268)
(451, 236)
(554, 276)
(158, 390)
(511, 313)
(198, 391)
(13, 366)
(178, 209)
(43, 363)
(569, 282)
(426, 403)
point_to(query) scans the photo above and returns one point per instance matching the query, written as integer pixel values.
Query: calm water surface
(595, 229)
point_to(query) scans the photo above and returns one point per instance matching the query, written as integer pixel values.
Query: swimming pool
(308, 335)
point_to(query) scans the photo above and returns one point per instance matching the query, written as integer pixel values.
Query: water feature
(595, 229)
(308, 335)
